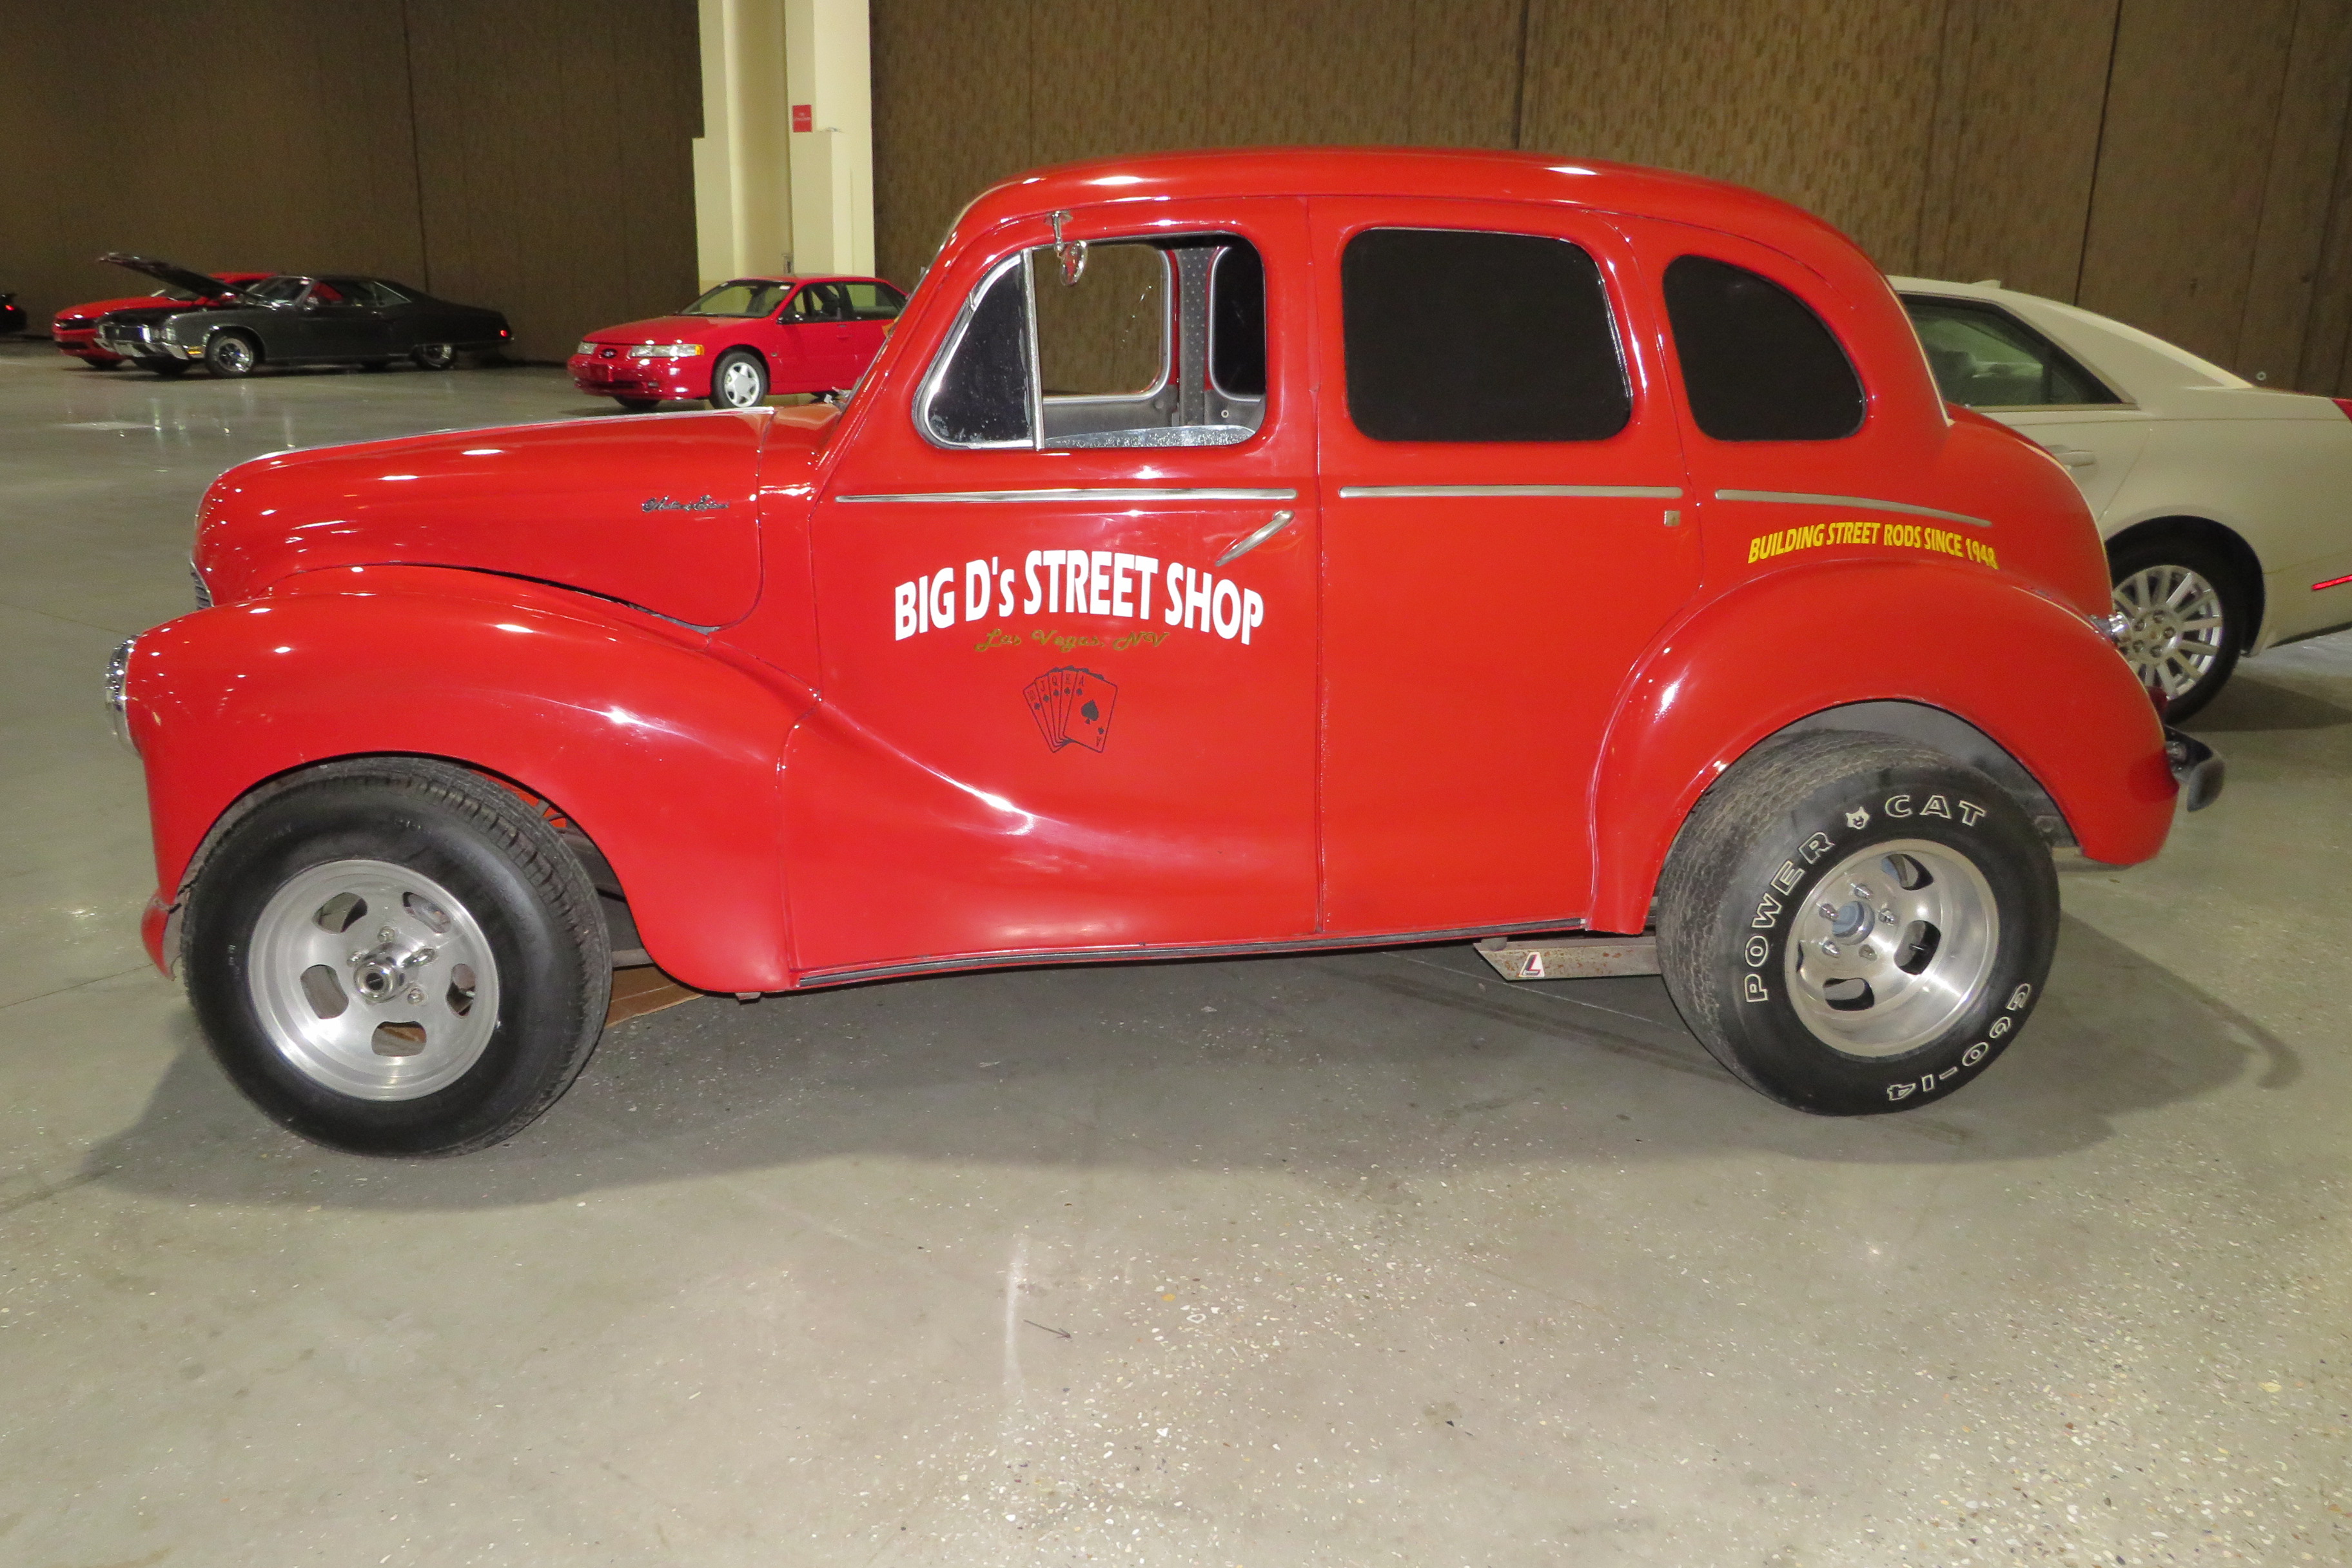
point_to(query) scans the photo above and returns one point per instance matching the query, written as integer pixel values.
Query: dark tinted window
(874, 301)
(1758, 364)
(1460, 336)
(1986, 358)
(1237, 323)
(981, 395)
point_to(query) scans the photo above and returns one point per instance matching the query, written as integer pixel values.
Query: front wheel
(395, 956)
(232, 354)
(434, 356)
(739, 381)
(1855, 923)
(2189, 617)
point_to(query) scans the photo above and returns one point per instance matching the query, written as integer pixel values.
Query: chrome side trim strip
(1598, 492)
(1791, 497)
(1167, 493)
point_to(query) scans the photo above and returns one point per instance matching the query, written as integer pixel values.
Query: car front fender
(663, 752)
(2028, 673)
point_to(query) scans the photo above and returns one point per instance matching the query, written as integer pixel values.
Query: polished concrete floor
(1323, 1260)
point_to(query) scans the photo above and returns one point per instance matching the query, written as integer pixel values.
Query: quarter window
(1983, 357)
(1758, 364)
(1157, 343)
(1455, 335)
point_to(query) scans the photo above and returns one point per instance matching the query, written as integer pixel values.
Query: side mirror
(1070, 253)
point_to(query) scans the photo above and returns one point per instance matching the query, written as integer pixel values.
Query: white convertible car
(2226, 506)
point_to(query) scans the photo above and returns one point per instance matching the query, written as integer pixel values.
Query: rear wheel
(739, 381)
(232, 354)
(1855, 923)
(2189, 612)
(434, 356)
(397, 957)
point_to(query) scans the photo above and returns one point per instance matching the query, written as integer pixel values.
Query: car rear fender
(664, 753)
(1830, 646)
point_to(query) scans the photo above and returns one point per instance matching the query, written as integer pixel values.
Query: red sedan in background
(742, 340)
(75, 330)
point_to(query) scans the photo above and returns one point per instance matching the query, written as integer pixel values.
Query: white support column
(742, 161)
(830, 76)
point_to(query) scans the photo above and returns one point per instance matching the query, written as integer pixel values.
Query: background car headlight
(118, 698)
(665, 350)
(585, 347)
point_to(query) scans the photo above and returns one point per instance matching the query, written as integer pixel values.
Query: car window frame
(2123, 400)
(1615, 306)
(1698, 250)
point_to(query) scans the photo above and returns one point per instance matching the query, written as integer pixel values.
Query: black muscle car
(294, 320)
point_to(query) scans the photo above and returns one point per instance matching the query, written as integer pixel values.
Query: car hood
(661, 512)
(96, 308)
(168, 272)
(670, 330)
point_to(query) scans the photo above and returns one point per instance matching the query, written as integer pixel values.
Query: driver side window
(1158, 342)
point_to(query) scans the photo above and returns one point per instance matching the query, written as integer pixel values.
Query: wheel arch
(2232, 545)
(2087, 750)
(666, 759)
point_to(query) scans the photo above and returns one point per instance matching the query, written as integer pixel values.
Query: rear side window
(1986, 358)
(1458, 335)
(1757, 364)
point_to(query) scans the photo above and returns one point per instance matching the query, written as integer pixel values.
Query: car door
(1066, 590)
(806, 354)
(340, 322)
(1989, 359)
(1505, 532)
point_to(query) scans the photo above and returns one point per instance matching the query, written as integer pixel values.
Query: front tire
(1855, 923)
(231, 355)
(740, 380)
(169, 369)
(2189, 614)
(396, 956)
(435, 356)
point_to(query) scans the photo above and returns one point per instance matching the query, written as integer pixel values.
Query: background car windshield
(276, 288)
(1984, 357)
(742, 297)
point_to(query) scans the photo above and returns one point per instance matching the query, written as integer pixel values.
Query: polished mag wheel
(374, 980)
(2176, 635)
(1895, 944)
(231, 355)
(435, 356)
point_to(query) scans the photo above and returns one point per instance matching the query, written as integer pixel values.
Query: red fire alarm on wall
(802, 119)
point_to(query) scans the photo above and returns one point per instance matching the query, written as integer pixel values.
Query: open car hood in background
(201, 284)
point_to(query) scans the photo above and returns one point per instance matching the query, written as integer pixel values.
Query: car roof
(789, 277)
(1399, 172)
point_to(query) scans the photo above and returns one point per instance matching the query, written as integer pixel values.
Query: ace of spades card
(1071, 704)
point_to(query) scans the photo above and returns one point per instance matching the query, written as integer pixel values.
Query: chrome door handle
(2073, 457)
(1251, 541)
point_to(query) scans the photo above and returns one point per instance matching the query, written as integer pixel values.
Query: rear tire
(231, 355)
(435, 356)
(1855, 923)
(395, 956)
(2190, 615)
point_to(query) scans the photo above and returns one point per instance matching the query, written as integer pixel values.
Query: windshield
(744, 297)
(276, 291)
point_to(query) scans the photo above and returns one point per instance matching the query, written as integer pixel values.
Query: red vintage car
(742, 340)
(75, 330)
(1229, 552)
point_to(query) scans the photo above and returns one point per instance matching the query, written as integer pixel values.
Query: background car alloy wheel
(231, 355)
(434, 356)
(2186, 615)
(739, 381)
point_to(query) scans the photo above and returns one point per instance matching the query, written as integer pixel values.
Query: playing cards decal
(1071, 704)
(1079, 583)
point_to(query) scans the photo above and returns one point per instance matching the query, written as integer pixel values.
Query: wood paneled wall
(2179, 163)
(532, 156)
